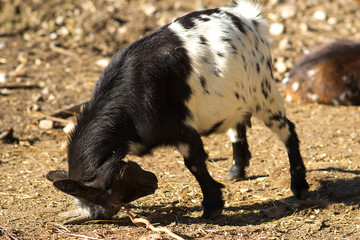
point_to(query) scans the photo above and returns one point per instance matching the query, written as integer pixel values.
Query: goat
(329, 74)
(208, 71)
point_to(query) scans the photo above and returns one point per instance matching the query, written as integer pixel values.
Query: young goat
(329, 74)
(206, 72)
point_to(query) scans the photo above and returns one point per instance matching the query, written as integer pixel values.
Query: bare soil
(55, 47)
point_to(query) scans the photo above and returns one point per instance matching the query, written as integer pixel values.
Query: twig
(18, 85)
(55, 119)
(157, 212)
(138, 221)
(61, 229)
(23, 196)
(69, 110)
(62, 50)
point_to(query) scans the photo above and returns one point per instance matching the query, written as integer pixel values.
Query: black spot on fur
(268, 63)
(257, 68)
(255, 23)
(269, 66)
(204, 19)
(269, 124)
(253, 53)
(217, 71)
(262, 58)
(265, 87)
(244, 61)
(203, 84)
(203, 40)
(265, 93)
(220, 54)
(243, 58)
(258, 108)
(237, 95)
(205, 59)
(279, 118)
(188, 21)
(230, 42)
(256, 44)
(237, 22)
(213, 128)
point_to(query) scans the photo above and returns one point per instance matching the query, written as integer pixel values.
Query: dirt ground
(51, 55)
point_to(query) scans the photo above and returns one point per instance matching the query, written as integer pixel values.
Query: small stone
(280, 66)
(2, 45)
(288, 11)
(277, 28)
(149, 9)
(102, 62)
(37, 62)
(46, 124)
(304, 27)
(4, 77)
(53, 36)
(63, 31)
(34, 108)
(319, 15)
(284, 44)
(59, 20)
(332, 21)
(7, 136)
(69, 128)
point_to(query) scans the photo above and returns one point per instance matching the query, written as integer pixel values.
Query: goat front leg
(191, 147)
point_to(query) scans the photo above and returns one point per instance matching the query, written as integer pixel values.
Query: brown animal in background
(329, 74)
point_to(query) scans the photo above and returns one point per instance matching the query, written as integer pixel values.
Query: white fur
(238, 72)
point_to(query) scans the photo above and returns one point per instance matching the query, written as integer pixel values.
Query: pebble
(332, 21)
(149, 9)
(2, 45)
(69, 128)
(53, 36)
(319, 15)
(4, 77)
(63, 31)
(277, 28)
(102, 62)
(280, 66)
(304, 27)
(46, 124)
(284, 44)
(288, 11)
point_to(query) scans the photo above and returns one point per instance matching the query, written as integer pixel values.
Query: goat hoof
(212, 215)
(236, 173)
(234, 178)
(300, 188)
(212, 210)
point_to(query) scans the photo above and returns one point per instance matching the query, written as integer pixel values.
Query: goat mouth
(150, 188)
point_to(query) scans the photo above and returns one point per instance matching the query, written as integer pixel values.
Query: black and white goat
(206, 72)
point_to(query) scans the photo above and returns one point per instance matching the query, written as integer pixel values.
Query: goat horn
(71, 213)
(77, 216)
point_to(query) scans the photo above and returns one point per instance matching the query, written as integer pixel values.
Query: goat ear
(77, 189)
(56, 175)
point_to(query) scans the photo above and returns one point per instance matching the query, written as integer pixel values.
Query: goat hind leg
(241, 153)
